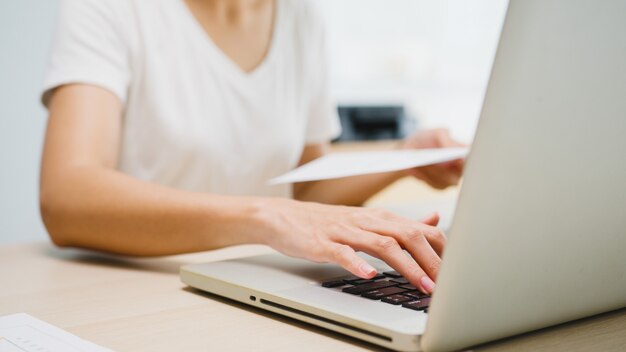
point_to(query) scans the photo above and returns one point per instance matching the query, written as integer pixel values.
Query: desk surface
(140, 304)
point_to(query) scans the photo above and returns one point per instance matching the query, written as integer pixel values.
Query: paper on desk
(23, 333)
(337, 165)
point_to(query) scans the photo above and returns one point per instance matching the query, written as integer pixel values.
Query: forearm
(353, 190)
(102, 209)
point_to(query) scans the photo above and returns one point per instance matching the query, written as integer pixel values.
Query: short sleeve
(323, 120)
(90, 47)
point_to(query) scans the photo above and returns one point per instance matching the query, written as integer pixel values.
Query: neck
(232, 10)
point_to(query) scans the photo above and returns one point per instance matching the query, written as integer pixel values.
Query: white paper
(23, 333)
(337, 165)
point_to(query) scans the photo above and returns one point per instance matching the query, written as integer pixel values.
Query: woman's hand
(440, 175)
(329, 233)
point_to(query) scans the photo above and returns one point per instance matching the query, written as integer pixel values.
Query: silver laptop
(539, 233)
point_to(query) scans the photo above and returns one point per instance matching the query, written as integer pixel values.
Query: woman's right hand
(329, 233)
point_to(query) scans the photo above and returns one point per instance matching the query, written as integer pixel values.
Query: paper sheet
(337, 165)
(23, 333)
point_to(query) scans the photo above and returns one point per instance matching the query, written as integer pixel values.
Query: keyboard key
(350, 278)
(353, 279)
(383, 292)
(415, 294)
(334, 283)
(397, 299)
(401, 281)
(393, 274)
(417, 305)
(409, 287)
(359, 289)
(361, 282)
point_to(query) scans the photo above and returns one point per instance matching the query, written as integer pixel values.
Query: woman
(167, 118)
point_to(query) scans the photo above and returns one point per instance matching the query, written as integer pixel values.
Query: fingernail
(367, 269)
(427, 284)
(430, 216)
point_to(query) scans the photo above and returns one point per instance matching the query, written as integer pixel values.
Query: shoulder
(108, 8)
(96, 13)
(98, 22)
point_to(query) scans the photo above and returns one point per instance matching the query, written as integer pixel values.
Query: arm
(86, 202)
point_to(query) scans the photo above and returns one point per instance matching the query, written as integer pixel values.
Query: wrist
(264, 215)
(236, 220)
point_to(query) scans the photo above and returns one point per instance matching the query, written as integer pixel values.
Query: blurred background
(396, 65)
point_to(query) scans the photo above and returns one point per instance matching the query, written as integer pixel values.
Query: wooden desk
(140, 304)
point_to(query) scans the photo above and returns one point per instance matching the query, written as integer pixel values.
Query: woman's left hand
(440, 175)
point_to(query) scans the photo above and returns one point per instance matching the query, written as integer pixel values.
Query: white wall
(25, 32)
(433, 56)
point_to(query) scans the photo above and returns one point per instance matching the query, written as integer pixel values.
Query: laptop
(539, 232)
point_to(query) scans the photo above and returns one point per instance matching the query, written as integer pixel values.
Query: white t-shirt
(192, 118)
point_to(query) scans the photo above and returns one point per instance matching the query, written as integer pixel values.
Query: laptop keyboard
(389, 287)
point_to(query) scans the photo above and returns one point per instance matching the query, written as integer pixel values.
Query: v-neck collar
(228, 61)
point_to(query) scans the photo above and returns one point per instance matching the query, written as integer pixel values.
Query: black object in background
(363, 123)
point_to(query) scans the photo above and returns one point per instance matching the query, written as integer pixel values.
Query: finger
(459, 163)
(406, 232)
(403, 229)
(450, 171)
(345, 256)
(432, 178)
(456, 165)
(388, 249)
(414, 230)
(435, 237)
(444, 139)
(423, 176)
(414, 237)
(432, 219)
(424, 254)
(379, 220)
(444, 175)
(437, 240)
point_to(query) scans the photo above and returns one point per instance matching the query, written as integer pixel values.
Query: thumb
(432, 219)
